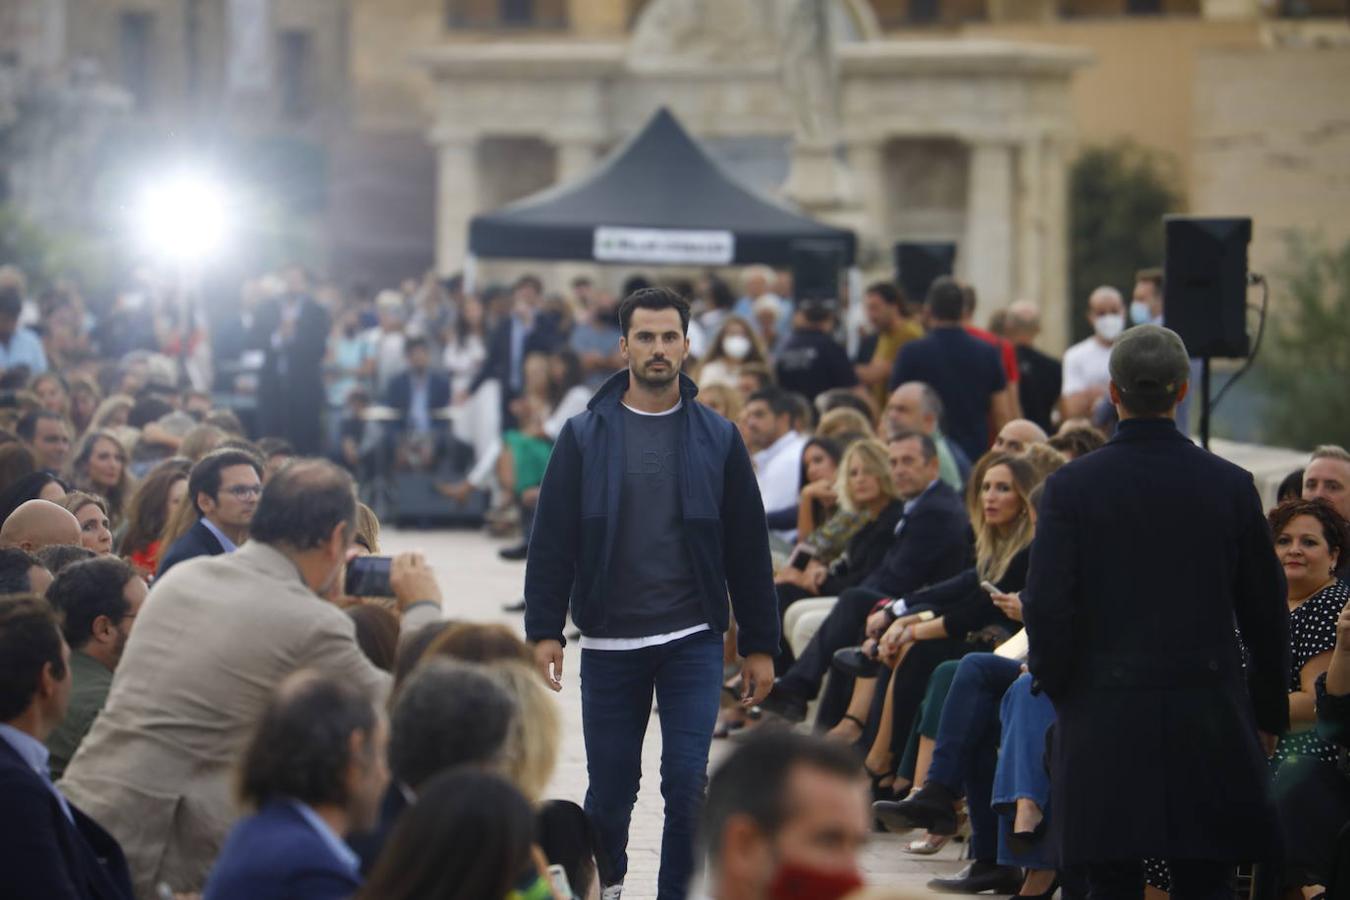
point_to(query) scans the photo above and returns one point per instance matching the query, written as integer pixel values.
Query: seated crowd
(192, 703)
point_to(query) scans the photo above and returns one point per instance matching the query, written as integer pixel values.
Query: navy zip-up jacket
(572, 542)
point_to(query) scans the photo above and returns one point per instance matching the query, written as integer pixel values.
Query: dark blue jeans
(966, 750)
(616, 704)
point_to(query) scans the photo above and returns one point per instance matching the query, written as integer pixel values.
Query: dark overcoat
(291, 395)
(1147, 553)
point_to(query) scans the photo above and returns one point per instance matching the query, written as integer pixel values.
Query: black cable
(1254, 278)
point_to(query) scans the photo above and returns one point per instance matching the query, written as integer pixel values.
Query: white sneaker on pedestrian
(613, 892)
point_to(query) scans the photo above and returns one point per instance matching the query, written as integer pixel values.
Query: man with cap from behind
(1147, 551)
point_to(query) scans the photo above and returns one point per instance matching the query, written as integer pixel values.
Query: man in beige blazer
(212, 642)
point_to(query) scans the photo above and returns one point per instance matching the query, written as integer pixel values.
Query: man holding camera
(216, 637)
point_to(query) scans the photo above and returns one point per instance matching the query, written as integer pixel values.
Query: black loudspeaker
(1205, 284)
(817, 267)
(918, 264)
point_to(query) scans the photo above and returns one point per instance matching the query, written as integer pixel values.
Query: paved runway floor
(475, 584)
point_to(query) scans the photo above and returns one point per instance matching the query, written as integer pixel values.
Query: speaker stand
(1204, 402)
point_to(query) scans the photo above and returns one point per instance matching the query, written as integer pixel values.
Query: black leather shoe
(931, 807)
(517, 607)
(851, 662)
(979, 877)
(785, 705)
(516, 553)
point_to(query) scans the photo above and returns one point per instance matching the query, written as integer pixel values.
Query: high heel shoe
(926, 846)
(881, 791)
(1024, 843)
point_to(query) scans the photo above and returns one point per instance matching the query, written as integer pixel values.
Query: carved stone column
(1030, 222)
(987, 254)
(456, 199)
(1056, 304)
(867, 161)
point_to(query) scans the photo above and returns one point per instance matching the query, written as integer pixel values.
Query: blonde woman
(92, 514)
(531, 749)
(723, 400)
(844, 420)
(864, 486)
(113, 412)
(1004, 528)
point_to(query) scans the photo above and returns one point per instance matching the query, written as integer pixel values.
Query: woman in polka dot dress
(1311, 540)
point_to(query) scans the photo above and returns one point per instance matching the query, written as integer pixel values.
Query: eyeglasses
(244, 491)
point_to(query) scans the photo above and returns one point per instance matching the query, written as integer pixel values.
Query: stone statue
(796, 38)
(809, 68)
(689, 33)
(793, 39)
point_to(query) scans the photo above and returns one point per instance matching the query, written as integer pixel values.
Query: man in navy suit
(224, 486)
(314, 772)
(526, 330)
(932, 542)
(417, 392)
(48, 848)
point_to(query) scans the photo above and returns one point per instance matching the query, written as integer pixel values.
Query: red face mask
(795, 882)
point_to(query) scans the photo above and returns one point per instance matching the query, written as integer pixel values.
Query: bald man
(1039, 386)
(1086, 363)
(37, 524)
(917, 407)
(1017, 436)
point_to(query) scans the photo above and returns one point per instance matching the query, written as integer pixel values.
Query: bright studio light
(184, 219)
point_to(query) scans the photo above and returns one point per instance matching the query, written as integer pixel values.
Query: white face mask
(736, 346)
(1109, 326)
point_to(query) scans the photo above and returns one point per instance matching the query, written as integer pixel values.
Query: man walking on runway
(649, 516)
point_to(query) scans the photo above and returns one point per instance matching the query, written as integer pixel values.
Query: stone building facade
(964, 141)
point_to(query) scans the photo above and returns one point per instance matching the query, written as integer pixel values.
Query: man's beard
(663, 378)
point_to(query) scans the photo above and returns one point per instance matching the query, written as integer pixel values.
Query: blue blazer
(399, 393)
(198, 541)
(724, 527)
(42, 854)
(275, 854)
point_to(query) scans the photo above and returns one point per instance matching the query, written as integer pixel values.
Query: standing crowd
(1011, 598)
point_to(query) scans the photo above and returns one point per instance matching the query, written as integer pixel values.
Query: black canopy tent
(660, 199)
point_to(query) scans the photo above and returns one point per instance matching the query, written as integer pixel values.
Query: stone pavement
(475, 584)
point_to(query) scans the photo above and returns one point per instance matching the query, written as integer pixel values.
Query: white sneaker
(613, 892)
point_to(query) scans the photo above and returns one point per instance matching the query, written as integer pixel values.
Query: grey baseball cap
(1149, 360)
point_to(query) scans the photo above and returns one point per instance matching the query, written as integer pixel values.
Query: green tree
(1306, 356)
(1118, 195)
(44, 257)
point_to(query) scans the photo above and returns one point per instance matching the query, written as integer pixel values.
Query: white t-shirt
(778, 468)
(1086, 365)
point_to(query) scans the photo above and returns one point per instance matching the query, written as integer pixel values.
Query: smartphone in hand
(368, 576)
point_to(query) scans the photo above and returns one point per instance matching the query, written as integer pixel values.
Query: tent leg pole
(470, 273)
